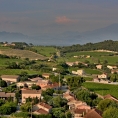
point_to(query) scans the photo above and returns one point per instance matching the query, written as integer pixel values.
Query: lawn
(102, 89)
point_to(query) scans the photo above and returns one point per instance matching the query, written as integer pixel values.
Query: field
(22, 54)
(17, 71)
(95, 56)
(45, 50)
(102, 89)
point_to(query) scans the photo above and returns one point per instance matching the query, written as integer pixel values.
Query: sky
(47, 17)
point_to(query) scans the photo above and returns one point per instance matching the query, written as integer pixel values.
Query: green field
(92, 71)
(95, 56)
(17, 71)
(102, 89)
(45, 50)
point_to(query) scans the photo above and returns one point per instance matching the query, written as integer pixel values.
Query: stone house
(31, 94)
(10, 78)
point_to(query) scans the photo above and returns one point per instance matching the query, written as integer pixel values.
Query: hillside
(22, 53)
(105, 45)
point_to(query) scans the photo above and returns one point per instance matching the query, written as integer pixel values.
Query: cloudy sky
(36, 17)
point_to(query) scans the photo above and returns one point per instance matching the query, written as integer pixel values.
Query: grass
(45, 50)
(102, 89)
(92, 71)
(95, 56)
(17, 71)
(22, 53)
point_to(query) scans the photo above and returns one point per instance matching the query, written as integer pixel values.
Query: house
(26, 83)
(4, 95)
(54, 86)
(53, 69)
(10, 78)
(93, 113)
(72, 63)
(79, 72)
(36, 79)
(42, 108)
(31, 94)
(99, 66)
(110, 97)
(112, 67)
(102, 76)
(79, 113)
(114, 71)
(46, 75)
(42, 83)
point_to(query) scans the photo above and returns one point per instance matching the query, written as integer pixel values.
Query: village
(41, 96)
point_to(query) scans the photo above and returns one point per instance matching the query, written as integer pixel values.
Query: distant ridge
(66, 38)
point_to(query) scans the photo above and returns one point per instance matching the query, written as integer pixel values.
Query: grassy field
(92, 71)
(102, 89)
(3, 61)
(17, 71)
(45, 50)
(22, 54)
(95, 56)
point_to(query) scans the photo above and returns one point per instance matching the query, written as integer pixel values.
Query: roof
(10, 76)
(45, 105)
(3, 94)
(108, 96)
(80, 111)
(94, 113)
(31, 91)
(36, 79)
(41, 111)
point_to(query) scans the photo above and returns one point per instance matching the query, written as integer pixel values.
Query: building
(42, 83)
(10, 78)
(42, 108)
(4, 95)
(79, 72)
(99, 66)
(110, 97)
(46, 75)
(93, 113)
(102, 76)
(31, 94)
(26, 83)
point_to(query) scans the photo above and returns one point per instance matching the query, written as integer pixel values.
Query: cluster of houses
(79, 109)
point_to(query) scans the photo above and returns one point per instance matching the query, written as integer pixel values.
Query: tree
(36, 87)
(111, 113)
(104, 104)
(26, 107)
(3, 83)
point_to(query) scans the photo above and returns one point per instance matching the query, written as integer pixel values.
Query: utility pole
(31, 109)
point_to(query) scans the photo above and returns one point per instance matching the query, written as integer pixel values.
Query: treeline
(105, 45)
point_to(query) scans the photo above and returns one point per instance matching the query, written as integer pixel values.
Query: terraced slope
(22, 53)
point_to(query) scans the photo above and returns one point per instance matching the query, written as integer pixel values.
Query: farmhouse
(31, 94)
(10, 78)
(79, 72)
(99, 66)
(102, 76)
(46, 75)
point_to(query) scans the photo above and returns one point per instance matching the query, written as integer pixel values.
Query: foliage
(3, 83)
(21, 114)
(8, 108)
(111, 113)
(105, 104)
(26, 107)
(75, 81)
(86, 96)
(58, 102)
(36, 87)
